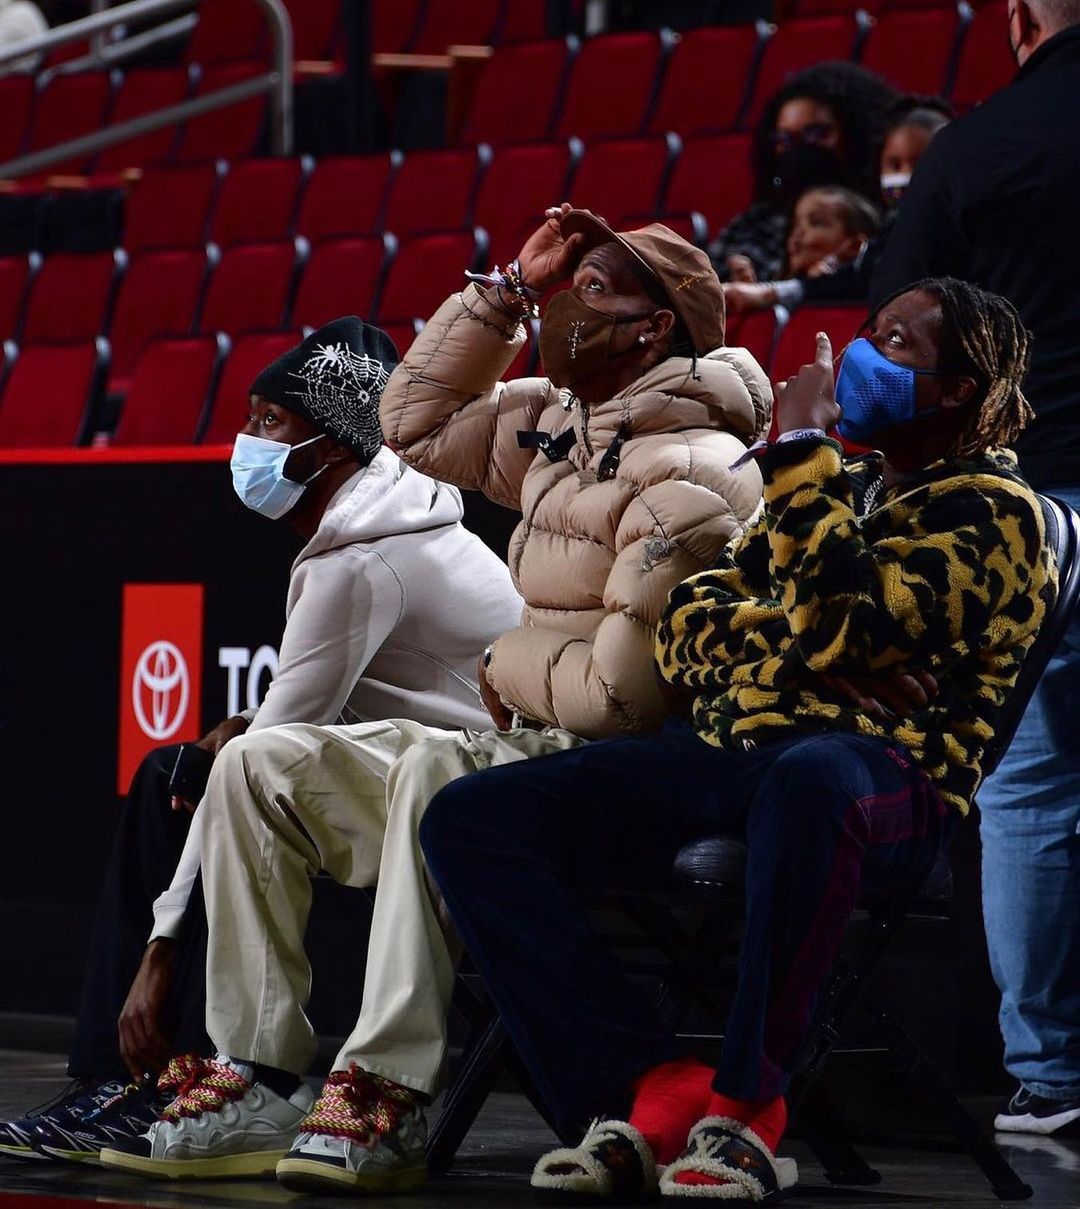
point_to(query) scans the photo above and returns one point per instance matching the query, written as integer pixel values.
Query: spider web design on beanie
(341, 391)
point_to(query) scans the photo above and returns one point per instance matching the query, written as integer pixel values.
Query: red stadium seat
(16, 272)
(523, 21)
(913, 49)
(228, 30)
(230, 133)
(393, 25)
(139, 93)
(169, 392)
(342, 277)
(315, 27)
(250, 355)
(706, 80)
(16, 104)
(250, 289)
(424, 273)
(344, 197)
(516, 94)
(611, 83)
(714, 176)
(451, 23)
(402, 335)
(795, 347)
(517, 188)
(170, 208)
(69, 106)
(432, 191)
(258, 201)
(622, 177)
(71, 297)
(985, 63)
(756, 333)
(49, 395)
(159, 297)
(795, 45)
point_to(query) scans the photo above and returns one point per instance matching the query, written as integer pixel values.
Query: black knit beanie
(335, 379)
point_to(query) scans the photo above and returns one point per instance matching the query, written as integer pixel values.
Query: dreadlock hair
(857, 97)
(982, 338)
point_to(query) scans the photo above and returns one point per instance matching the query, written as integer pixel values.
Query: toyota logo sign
(160, 690)
(160, 671)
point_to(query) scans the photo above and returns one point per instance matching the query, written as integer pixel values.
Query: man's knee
(445, 826)
(251, 762)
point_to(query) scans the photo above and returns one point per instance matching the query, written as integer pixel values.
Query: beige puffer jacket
(593, 559)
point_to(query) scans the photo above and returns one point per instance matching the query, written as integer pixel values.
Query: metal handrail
(277, 83)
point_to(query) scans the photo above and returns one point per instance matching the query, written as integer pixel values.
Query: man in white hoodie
(390, 603)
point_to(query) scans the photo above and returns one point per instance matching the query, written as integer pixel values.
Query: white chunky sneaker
(365, 1134)
(219, 1124)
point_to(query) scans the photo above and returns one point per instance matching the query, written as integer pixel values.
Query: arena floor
(492, 1170)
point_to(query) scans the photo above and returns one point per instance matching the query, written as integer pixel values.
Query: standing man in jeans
(993, 201)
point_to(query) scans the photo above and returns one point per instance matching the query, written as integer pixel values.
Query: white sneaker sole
(1027, 1123)
(310, 1175)
(224, 1166)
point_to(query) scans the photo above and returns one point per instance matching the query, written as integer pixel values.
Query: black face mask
(802, 167)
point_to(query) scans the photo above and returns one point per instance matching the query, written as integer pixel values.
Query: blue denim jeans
(1030, 832)
(514, 849)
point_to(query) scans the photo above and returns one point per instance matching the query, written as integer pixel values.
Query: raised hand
(808, 400)
(547, 258)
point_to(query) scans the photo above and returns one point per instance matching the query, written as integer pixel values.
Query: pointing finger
(823, 355)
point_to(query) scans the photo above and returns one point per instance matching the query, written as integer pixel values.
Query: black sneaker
(128, 1113)
(77, 1100)
(1029, 1113)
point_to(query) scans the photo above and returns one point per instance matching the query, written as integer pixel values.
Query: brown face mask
(575, 338)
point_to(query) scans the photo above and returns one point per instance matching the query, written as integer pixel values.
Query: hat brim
(596, 232)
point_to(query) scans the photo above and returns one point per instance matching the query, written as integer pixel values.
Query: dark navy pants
(145, 854)
(517, 849)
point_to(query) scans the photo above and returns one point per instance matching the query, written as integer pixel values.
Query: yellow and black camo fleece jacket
(949, 573)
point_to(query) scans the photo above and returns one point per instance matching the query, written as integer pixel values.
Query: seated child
(830, 227)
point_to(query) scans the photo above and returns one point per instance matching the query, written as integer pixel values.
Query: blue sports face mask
(258, 474)
(874, 392)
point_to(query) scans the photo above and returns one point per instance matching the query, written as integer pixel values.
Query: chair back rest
(1063, 537)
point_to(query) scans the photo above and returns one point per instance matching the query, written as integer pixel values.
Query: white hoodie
(389, 606)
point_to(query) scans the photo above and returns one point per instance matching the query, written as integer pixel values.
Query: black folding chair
(710, 874)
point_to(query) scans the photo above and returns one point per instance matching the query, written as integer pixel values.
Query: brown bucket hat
(684, 272)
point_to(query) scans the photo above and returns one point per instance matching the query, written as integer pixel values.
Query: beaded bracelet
(512, 288)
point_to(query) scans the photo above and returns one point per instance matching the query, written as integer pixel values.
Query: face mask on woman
(575, 338)
(874, 392)
(804, 166)
(258, 474)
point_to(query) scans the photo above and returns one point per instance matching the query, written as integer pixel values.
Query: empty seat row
(70, 106)
(430, 26)
(71, 299)
(720, 77)
(505, 192)
(182, 390)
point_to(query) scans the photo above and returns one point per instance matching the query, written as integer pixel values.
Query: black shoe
(1029, 1113)
(127, 1114)
(80, 1098)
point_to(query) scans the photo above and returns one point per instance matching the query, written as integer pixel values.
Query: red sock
(667, 1101)
(767, 1118)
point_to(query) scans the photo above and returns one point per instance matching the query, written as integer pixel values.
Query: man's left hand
(808, 400)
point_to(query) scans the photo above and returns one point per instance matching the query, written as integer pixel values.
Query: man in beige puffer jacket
(620, 462)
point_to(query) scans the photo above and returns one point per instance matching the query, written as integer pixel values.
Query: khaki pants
(289, 801)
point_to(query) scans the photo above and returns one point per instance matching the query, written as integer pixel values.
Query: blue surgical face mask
(874, 392)
(258, 474)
